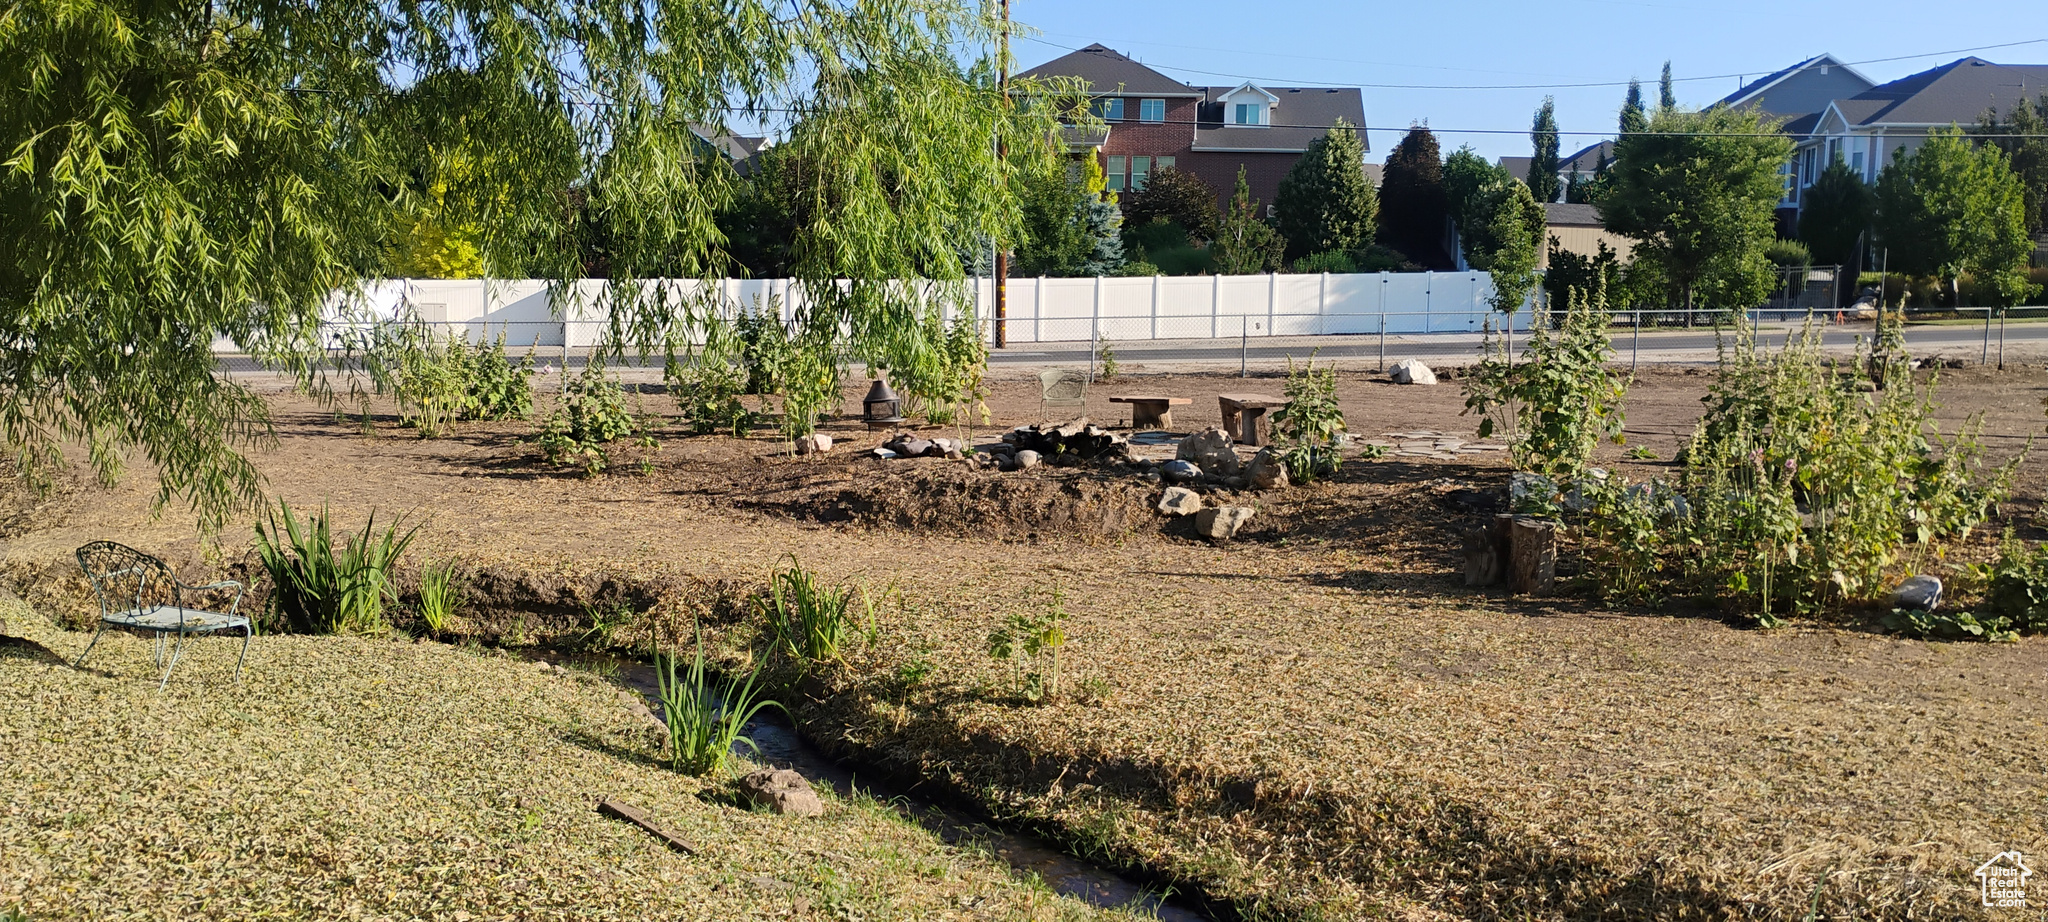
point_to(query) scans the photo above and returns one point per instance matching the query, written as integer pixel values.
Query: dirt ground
(1315, 721)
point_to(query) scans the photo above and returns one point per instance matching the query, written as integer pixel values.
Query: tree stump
(1532, 556)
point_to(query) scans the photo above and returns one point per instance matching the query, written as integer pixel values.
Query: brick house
(1155, 121)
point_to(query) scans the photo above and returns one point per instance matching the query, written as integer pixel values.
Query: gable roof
(1957, 92)
(1108, 72)
(1559, 214)
(1588, 158)
(1518, 167)
(1757, 87)
(1301, 115)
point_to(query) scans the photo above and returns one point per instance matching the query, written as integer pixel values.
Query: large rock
(1210, 450)
(1221, 523)
(1180, 501)
(783, 791)
(817, 443)
(1411, 371)
(1026, 460)
(1179, 472)
(1921, 593)
(1267, 471)
(914, 448)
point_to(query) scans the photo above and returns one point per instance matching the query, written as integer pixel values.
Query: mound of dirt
(1040, 504)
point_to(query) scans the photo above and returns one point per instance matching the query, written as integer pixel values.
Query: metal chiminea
(882, 408)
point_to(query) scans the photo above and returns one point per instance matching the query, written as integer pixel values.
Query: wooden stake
(632, 814)
(1532, 561)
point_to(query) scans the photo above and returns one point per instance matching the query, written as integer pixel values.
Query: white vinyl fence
(1039, 310)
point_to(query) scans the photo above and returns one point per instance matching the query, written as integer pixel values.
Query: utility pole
(1002, 157)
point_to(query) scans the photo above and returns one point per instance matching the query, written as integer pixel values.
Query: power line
(1529, 86)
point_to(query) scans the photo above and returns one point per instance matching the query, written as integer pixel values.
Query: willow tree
(173, 174)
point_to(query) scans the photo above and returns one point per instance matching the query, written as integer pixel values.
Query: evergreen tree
(1412, 199)
(1698, 192)
(1325, 203)
(1101, 224)
(1176, 197)
(1633, 118)
(1835, 216)
(1071, 224)
(1667, 99)
(2023, 135)
(1245, 243)
(1543, 163)
(1952, 208)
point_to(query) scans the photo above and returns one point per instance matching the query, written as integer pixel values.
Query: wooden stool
(1244, 416)
(1151, 411)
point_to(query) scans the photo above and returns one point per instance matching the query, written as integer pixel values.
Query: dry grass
(369, 779)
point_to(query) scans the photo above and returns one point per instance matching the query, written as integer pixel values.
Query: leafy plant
(319, 587)
(440, 378)
(707, 391)
(810, 621)
(1639, 453)
(2016, 595)
(1561, 400)
(1311, 426)
(592, 415)
(1031, 644)
(1107, 352)
(705, 717)
(441, 593)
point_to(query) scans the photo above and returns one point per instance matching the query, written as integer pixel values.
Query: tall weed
(592, 415)
(706, 717)
(321, 587)
(441, 593)
(1311, 426)
(1031, 644)
(811, 622)
(1559, 401)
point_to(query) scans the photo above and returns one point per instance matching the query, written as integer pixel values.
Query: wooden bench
(1244, 416)
(1151, 411)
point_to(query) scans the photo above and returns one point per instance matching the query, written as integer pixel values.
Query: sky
(1403, 46)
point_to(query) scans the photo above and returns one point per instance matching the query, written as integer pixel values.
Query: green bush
(811, 622)
(1336, 262)
(438, 379)
(1788, 254)
(2016, 595)
(592, 415)
(1558, 401)
(1311, 426)
(319, 587)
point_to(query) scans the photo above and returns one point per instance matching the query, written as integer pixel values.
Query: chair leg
(247, 633)
(88, 647)
(177, 649)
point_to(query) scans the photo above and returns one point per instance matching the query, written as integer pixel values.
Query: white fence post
(1272, 298)
(1215, 303)
(1038, 310)
(1155, 305)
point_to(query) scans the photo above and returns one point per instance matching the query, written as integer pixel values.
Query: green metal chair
(1062, 387)
(138, 591)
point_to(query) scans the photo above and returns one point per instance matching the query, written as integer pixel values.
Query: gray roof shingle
(1559, 214)
(1108, 72)
(1302, 115)
(1957, 92)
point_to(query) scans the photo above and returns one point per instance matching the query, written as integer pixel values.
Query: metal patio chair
(1062, 387)
(138, 591)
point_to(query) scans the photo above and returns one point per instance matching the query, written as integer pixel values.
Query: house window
(1141, 168)
(1151, 110)
(1110, 109)
(1247, 113)
(1163, 163)
(1856, 162)
(1114, 181)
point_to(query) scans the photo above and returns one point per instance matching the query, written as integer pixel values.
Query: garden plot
(1315, 720)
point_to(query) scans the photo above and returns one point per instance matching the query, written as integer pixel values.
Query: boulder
(915, 448)
(1411, 371)
(1180, 501)
(1267, 471)
(943, 445)
(1921, 593)
(1027, 459)
(817, 443)
(783, 791)
(1210, 450)
(1180, 472)
(1221, 523)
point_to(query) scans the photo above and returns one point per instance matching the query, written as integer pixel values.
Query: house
(1870, 128)
(1583, 165)
(1578, 229)
(1152, 121)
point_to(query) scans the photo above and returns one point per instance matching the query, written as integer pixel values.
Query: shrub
(438, 379)
(811, 622)
(705, 717)
(707, 393)
(591, 416)
(1560, 401)
(1788, 254)
(318, 587)
(1031, 645)
(2016, 597)
(1382, 258)
(1311, 425)
(1336, 262)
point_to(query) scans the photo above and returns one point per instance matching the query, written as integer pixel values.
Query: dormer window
(1151, 110)
(1248, 113)
(1248, 106)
